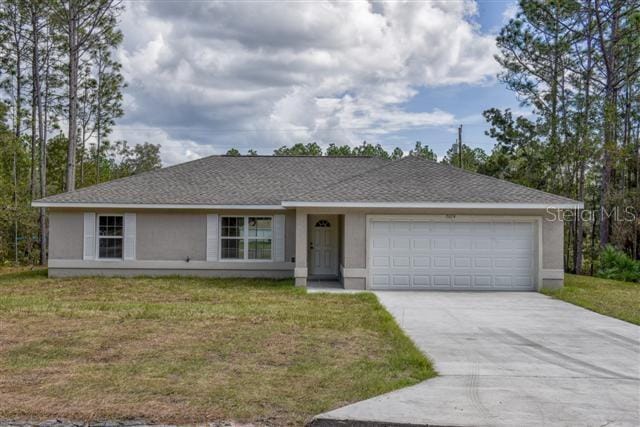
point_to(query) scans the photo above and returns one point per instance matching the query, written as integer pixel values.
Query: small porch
(330, 250)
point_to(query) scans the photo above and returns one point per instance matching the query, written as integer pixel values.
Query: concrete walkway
(516, 359)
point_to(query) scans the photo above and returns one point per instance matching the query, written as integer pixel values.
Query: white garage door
(446, 255)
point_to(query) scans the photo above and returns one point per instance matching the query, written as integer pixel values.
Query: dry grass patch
(179, 350)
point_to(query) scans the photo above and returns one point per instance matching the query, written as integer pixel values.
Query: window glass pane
(260, 249)
(232, 226)
(110, 226)
(260, 227)
(232, 248)
(110, 247)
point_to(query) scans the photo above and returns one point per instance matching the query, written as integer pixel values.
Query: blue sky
(466, 101)
(204, 77)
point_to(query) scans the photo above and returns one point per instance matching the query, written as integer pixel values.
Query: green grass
(609, 297)
(182, 350)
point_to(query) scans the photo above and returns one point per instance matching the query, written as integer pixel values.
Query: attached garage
(440, 253)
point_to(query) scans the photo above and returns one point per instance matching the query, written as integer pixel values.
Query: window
(323, 223)
(232, 237)
(248, 237)
(259, 237)
(110, 236)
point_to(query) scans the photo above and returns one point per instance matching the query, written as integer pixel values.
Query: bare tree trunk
(98, 119)
(73, 97)
(581, 144)
(43, 150)
(83, 138)
(18, 133)
(34, 136)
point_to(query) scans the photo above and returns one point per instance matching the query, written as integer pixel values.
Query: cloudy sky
(205, 76)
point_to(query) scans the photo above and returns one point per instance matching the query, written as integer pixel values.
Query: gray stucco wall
(290, 236)
(552, 243)
(161, 235)
(65, 235)
(355, 241)
(171, 236)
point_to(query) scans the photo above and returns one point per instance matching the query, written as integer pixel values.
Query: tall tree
(13, 23)
(109, 86)
(84, 24)
(38, 13)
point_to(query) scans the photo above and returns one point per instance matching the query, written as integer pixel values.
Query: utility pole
(460, 146)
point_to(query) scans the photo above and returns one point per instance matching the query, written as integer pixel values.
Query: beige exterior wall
(301, 270)
(176, 235)
(171, 236)
(164, 240)
(65, 235)
(552, 243)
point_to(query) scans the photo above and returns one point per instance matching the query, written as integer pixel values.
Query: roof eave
(433, 205)
(85, 205)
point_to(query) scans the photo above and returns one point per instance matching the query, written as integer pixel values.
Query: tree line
(61, 88)
(472, 158)
(576, 65)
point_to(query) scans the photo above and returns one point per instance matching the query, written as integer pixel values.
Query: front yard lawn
(179, 350)
(609, 297)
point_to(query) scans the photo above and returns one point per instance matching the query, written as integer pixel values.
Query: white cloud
(510, 12)
(206, 76)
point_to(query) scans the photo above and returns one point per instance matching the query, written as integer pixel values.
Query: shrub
(617, 265)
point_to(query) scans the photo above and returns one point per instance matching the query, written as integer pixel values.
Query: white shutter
(278, 238)
(212, 237)
(89, 239)
(129, 236)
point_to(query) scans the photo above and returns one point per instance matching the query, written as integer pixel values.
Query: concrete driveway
(516, 359)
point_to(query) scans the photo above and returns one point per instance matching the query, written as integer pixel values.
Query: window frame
(245, 238)
(98, 237)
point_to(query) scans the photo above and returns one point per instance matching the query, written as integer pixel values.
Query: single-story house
(367, 222)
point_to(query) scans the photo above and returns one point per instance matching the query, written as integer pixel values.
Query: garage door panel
(441, 261)
(462, 261)
(480, 281)
(401, 261)
(462, 244)
(441, 244)
(421, 244)
(421, 280)
(380, 261)
(482, 244)
(462, 281)
(380, 279)
(421, 261)
(483, 262)
(452, 255)
(380, 243)
(441, 281)
(401, 280)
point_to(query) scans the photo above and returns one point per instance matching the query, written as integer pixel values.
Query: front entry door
(323, 245)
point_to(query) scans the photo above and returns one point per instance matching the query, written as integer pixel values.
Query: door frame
(536, 220)
(333, 219)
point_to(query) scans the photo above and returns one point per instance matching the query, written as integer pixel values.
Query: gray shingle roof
(416, 180)
(224, 180)
(269, 180)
